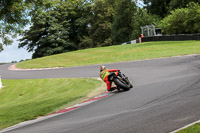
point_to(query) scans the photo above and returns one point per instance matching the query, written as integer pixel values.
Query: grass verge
(192, 129)
(22, 100)
(117, 53)
(2, 63)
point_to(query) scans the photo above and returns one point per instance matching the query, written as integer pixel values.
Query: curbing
(13, 67)
(82, 104)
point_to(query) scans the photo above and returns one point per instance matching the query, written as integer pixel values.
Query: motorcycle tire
(131, 86)
(128, 83)
(121, 84)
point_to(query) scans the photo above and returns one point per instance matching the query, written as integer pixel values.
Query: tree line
(164, 7)
(59, 26)
(79, 24)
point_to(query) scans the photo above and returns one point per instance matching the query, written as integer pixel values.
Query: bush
(142, 18)
(182, 21)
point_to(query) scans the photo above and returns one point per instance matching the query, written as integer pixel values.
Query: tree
(183, 20)
(11, 18)
(14, 17)
(164, 7)
(78, 14)
(48, 35)
(174, 4)
(142, 18)
(122, 24)
(56, 30)
(157, 7)
(101, 22)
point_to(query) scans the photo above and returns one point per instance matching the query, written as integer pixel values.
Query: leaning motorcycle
(120, 80)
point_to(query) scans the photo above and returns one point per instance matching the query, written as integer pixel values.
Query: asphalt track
(165, 97)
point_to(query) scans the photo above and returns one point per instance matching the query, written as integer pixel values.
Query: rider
(104, 76)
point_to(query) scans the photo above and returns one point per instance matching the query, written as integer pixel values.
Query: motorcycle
(120, 80)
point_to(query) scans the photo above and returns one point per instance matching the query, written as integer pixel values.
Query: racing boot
(112, 89)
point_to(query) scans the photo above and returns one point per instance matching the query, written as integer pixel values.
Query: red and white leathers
(104, 76)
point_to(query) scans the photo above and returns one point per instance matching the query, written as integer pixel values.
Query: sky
(13, 53)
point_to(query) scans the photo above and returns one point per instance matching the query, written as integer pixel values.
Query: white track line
(186, 126)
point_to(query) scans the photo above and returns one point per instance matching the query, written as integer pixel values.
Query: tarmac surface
(165, 97)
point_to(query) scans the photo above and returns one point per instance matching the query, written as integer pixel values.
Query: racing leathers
(104, 76)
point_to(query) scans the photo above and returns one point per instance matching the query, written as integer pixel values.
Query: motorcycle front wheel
(121, 84)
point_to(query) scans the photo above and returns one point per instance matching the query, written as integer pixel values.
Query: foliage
(101, 22)
(80, 25)
(183, 21)
(164, 7)
(122, 23)
(157, 7)
(142, 18)
(56, 31)
(14, 17)
(78, 13)
(65, 25)
(47, 34)
(11, 19)
(86, 42)
(174, 4)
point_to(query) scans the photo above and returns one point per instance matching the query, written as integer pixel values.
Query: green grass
(192, 129)
(117, 53)
(2, 63)
(22, 100)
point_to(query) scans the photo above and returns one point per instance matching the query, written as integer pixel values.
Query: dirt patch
(1, 88)
(100, 90)
(97, 91)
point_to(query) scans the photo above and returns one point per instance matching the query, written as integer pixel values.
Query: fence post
(0, 82)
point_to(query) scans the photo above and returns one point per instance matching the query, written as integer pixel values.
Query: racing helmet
(102, 68)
